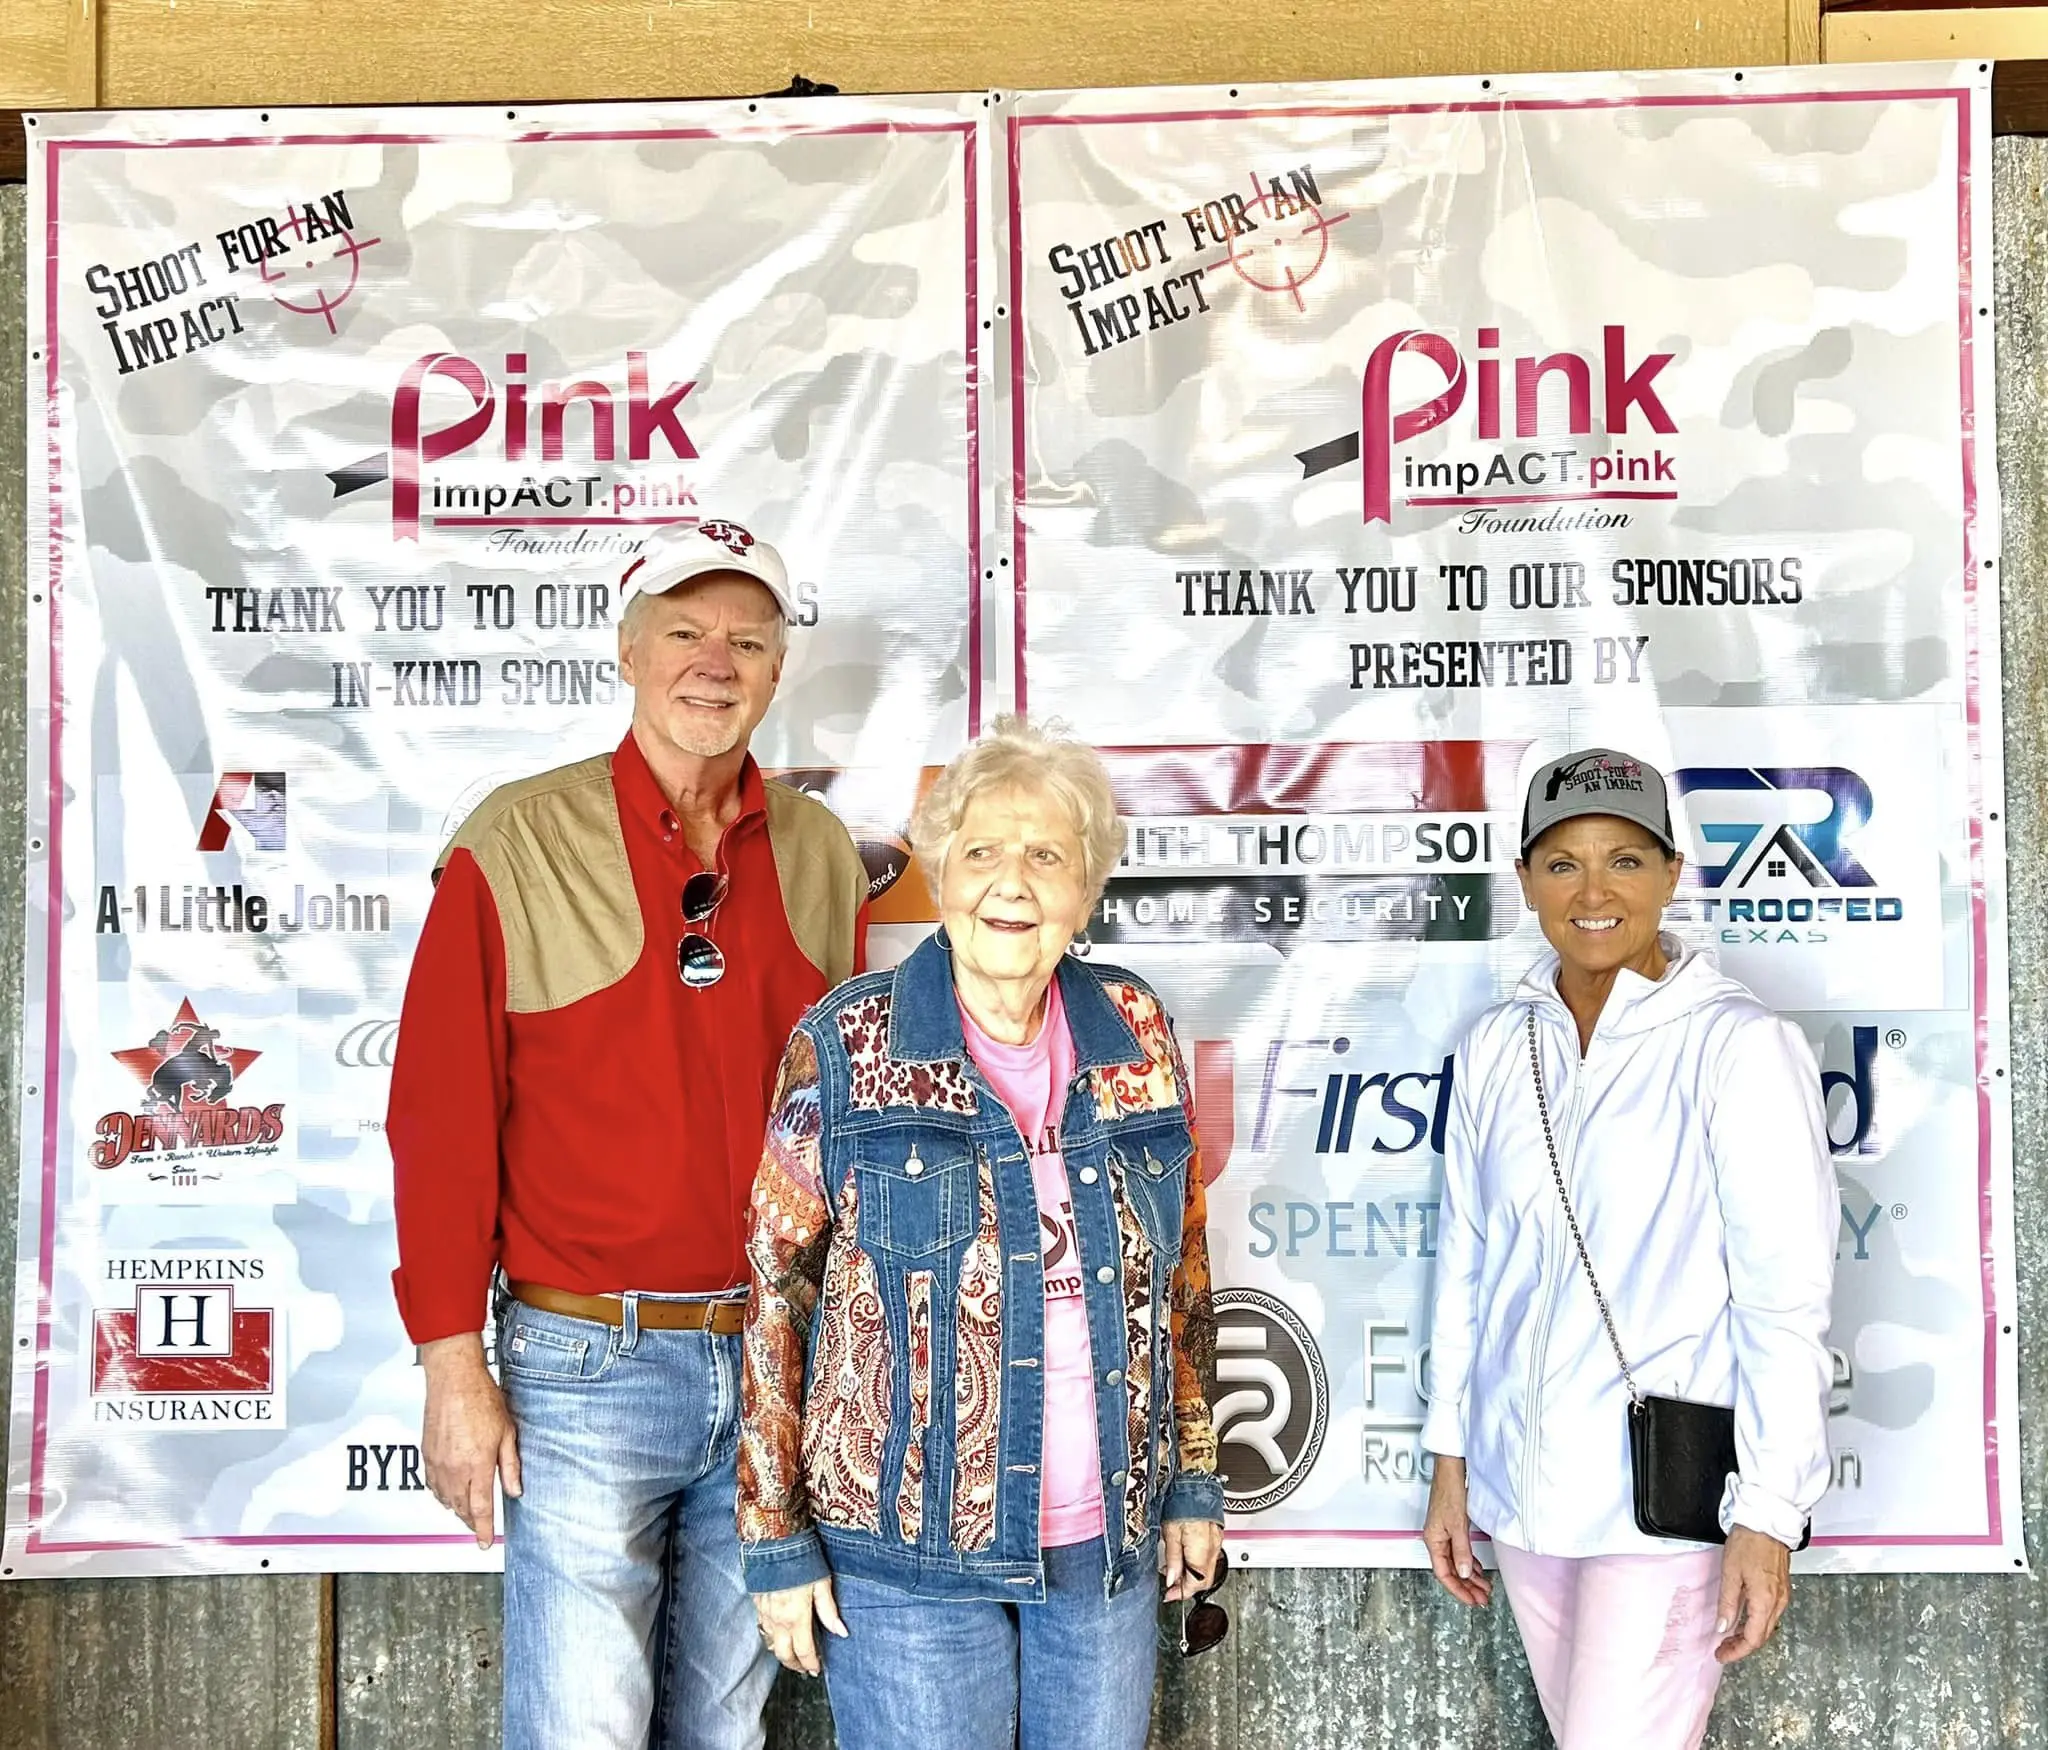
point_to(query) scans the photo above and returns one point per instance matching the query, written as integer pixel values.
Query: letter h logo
(184, 1321)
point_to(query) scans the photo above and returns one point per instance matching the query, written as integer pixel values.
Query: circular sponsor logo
(884, 851)
(367, 1045)
(1272, 1399)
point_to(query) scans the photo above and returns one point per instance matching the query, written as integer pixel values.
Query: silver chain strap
(1557, 1173)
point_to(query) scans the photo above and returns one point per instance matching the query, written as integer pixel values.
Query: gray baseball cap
(1597, 780)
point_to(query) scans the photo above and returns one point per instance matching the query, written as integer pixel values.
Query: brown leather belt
(722, 1318)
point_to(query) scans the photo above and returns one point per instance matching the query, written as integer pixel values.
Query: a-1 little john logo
(1551, 397)
(253, 801)
(184, 1122)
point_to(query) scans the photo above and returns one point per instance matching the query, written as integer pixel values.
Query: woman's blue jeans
(1073, 1673)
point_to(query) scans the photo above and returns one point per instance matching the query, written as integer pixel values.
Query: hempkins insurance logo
(1569, 411)
(187, 1124)
(532, 466)
(184, 1353)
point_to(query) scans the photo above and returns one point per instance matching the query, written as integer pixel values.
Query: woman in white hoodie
(1633, 1118)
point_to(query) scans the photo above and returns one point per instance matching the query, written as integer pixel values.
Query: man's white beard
(708, 742)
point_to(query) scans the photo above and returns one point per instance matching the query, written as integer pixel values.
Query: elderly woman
(1638, 1230)
(975, 1421)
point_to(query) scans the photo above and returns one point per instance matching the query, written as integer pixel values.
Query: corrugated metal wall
(1316, 1659)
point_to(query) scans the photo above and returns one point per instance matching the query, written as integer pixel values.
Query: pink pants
(1621, 1647)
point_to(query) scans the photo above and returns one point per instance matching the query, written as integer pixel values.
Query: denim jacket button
(1115, 1376)
(1105, 1274)
(912, 1167)
(1152, 1164)
(1088, 1175)
(1118, 1479)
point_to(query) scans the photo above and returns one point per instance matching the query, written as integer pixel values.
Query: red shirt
(610, 1144)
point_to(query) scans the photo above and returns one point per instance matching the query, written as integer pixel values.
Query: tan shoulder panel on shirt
(554, 856)
(824, 882)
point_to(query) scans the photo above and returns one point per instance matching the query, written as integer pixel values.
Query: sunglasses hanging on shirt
(700, 962)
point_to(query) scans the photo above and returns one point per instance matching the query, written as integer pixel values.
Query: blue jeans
(1073, 1673)
(626, 1622)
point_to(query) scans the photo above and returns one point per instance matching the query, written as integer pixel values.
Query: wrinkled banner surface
(1373, 443)
(1354, 447)
(344, 428)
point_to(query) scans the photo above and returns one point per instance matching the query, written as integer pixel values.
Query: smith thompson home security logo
(1558, 429)
(569, 466)
(192, 1119)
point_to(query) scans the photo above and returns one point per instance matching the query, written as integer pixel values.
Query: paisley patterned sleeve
(1193, 1311)
(789, 1230)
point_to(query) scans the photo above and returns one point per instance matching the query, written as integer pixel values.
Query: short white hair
(1017, 754)
(640, 601)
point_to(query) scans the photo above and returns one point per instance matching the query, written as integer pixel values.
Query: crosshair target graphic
(328, 291)
(1273, 259)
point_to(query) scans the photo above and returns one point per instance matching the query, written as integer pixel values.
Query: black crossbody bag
(1681, 1453)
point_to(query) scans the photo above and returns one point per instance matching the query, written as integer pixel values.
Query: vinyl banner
(1373, 444)
(343, 428)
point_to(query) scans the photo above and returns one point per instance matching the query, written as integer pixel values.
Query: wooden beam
(1832, 6)
(82, 53)
(1936, 33)
(1802, 32)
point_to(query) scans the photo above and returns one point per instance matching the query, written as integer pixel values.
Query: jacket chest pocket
(917, 1198)
(1153, 1170)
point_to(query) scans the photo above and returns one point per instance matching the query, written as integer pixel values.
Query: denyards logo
(186, 1122)
(1272, 1402)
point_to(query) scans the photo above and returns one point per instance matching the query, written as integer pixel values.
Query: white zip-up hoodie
(1694, 1142)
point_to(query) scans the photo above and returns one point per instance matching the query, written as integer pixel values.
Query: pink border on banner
(35, 1543)
(1973, 710)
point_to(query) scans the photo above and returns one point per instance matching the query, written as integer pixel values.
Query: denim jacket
(892, 1385)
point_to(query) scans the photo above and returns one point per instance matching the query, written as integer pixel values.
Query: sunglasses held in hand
(1204, 1623)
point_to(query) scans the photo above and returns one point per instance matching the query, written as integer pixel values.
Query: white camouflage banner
(1351, 448)
(344, 428)
(1397, 437)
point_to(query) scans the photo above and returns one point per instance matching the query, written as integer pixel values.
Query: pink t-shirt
(1032, 1081)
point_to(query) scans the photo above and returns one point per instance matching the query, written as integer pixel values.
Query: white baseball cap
(679, 553)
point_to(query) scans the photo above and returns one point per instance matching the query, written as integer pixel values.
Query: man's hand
(1447, 1534)
(467, 1437)
(1190, 1547)
(1756, 1585)
(785, 1619)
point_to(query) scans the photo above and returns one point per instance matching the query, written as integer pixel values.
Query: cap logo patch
(734, 539)
(1593, 774)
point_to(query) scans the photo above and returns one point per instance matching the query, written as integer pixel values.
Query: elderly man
(614, 958)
